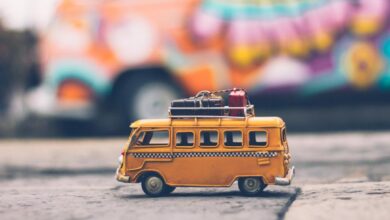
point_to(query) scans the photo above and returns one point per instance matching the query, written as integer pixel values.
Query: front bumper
(42, 101)
(121, 178)
(284, 181)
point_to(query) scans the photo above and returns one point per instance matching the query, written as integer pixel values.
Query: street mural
(321, 44)
(306, 46)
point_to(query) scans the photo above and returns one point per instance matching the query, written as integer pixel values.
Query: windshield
(132, 137)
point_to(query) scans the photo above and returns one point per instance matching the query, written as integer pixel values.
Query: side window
(184, 139)
(208, 138)
(153, 138)
(233, 138)
(258, 138)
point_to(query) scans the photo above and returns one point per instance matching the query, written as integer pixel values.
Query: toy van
(207, 151)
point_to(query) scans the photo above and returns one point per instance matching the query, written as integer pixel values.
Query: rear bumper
(284, 181)
(121, 178)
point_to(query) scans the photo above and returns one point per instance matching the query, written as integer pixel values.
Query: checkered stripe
(152, 155)
(205, 154)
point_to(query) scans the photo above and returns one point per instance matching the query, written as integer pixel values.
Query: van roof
(214, 122)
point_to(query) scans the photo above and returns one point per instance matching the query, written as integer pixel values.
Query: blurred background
(90, 67)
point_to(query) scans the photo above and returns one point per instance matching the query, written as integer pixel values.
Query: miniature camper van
(206, 143)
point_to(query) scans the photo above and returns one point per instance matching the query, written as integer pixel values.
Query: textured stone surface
(327, 158)
(61, 153)
(349, 200)
(100, 197)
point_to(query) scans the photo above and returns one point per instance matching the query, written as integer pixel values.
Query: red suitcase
(237, 98)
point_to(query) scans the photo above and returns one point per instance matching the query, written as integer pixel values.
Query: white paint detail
(40, 100)
(68, 38)
(132, 40)
(284, 71)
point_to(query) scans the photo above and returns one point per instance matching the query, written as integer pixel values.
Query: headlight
(120, 159)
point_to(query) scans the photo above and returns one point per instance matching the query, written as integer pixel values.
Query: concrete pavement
(100, 197)
(348, 200)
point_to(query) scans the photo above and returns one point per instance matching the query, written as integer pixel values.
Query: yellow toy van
(207, 151)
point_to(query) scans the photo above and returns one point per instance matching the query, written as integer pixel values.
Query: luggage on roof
(212, 104)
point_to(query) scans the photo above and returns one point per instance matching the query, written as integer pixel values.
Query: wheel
(152, 100)
(145, 95)
(251, 186)
(155, 186)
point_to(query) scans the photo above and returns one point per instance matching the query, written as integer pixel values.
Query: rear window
(284, 137)
(153, 138)
(257, 138)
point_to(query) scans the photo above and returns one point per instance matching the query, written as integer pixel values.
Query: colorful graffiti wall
(315, 45)
(304, 47)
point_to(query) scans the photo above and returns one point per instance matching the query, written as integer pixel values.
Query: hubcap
(152, 100)
(154, 185)
(251, 185)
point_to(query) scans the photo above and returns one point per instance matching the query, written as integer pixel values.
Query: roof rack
(249, 111)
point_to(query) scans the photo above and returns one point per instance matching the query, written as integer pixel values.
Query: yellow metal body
(207, 166)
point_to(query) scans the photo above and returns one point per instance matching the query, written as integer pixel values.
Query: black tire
(251, 186)
(153, 185)
(145, 95)
(170, 189)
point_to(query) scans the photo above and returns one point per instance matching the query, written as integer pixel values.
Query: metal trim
(121, 178)
(284, 181)
(248, 111)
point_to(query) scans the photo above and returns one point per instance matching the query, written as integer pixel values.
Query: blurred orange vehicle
(206, 152)
(136, 56)
(114, 53)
